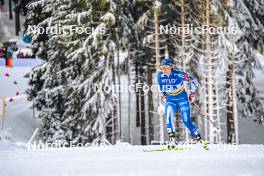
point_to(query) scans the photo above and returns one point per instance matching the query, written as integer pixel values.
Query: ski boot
(203, 142)
(172, 142)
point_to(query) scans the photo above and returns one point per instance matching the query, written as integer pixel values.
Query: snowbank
(244, 160)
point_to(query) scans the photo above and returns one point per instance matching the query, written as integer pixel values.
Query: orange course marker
(9, 62)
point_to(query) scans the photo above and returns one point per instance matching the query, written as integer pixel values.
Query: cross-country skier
(175, 97)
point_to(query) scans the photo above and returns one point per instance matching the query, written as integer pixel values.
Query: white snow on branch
(108, 18)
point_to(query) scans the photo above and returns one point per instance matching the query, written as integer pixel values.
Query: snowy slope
(246, 160)
(22, 62)
(7, 86)
(19, 121)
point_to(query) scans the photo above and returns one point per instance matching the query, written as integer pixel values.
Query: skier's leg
(170, 110)
(184, 107)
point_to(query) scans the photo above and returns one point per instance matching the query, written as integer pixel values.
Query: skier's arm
(192, 81)
(162, 90)
(161, 87)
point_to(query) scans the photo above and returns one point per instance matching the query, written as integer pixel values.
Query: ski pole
(205, 115)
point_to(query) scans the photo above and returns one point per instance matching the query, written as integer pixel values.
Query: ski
(204, 144)
(165, 149)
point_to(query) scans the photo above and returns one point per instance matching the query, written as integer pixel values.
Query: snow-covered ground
(8, 88)
(18, 122)
(120, 160)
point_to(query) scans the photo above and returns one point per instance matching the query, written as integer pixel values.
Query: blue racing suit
(173, 88)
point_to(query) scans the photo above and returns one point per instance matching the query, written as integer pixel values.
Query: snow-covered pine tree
(241, 60)
(248, 17)
(156, 11)
(198, 62)
(137, 68)
(238, 55)
(62, 87)
(37, 13)
(153, 44)
(129, 40)
(146, 24)
(180, 14)
(205, 62)
(72, 90)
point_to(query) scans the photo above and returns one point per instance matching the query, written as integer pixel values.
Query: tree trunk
(229, 108)
(183, 58)
(17, 22)
(142, 103)
(143, 118)
(157, 51)
(150, 100)
(10, 10)
(232, 123)
(183, 37)
(129, 100)
(219, 135)
(209, 68)
(118, 91)
(113, 127)
(137, 98)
